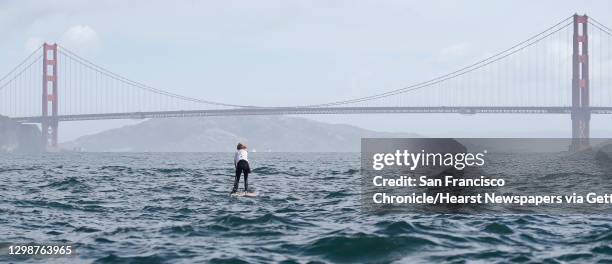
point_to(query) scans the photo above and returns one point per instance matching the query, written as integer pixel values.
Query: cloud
(80, 38)
(454, 51)
(32, 44)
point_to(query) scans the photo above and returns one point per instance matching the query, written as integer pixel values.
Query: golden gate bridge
(564, 69)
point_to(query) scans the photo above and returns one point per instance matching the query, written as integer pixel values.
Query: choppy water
(175, 208)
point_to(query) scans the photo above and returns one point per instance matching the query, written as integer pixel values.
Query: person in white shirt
(241, 162)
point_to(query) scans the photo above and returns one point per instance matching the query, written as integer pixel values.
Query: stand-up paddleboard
(244, 194)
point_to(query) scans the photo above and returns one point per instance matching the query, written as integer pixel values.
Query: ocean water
(175, 208)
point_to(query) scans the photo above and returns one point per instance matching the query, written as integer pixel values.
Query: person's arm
(236, 157)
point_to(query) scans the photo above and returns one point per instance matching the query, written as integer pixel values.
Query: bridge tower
(50, 123)
(581, 113)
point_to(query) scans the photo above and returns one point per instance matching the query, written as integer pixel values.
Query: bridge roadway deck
(321, 110)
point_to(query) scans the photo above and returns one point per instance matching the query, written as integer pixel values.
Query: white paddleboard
(244, 194)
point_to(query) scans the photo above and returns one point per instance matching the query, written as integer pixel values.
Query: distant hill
(219, 134)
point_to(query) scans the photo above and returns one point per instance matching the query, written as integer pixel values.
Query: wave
(363, 247)
(149, 171)
(266, 170)
(152, 259)
(237, 221)
(498, 228)
(86, 229)
(20, 169)
(72, 183)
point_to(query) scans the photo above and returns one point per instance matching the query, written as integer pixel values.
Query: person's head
(241, 146)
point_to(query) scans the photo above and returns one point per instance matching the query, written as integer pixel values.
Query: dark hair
(241, 146)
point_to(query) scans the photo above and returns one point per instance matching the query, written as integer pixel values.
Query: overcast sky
(295, 52)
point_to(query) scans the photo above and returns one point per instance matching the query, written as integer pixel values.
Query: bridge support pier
(581, 114)
(49, 123)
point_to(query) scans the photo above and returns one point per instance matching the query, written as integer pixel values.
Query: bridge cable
(19, 74)
(591, 19)
(118, 77)
(462, 71)
(21, 64)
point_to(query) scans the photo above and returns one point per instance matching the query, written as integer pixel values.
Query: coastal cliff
(19, 138)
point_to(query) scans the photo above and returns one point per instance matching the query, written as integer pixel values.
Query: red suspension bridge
(564, 69)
